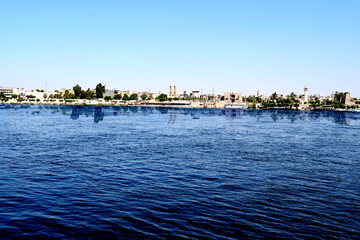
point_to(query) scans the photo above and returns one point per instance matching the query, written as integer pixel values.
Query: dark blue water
(135, 173)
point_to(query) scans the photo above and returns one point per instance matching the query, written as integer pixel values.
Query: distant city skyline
(240, 46)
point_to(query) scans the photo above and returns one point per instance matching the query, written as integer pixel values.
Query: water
(135, 173)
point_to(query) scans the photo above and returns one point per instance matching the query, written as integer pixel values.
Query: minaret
(175, 91)
(170, 91)
(306, 94)
(258, 93)
(332, 97)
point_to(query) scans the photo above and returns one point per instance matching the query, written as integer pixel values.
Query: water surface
(134, 173)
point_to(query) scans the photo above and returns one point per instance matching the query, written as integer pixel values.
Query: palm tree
(292, 96)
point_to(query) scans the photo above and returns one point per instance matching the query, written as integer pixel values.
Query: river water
(162, 173)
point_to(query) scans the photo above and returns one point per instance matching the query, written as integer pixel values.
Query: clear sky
(238, 45)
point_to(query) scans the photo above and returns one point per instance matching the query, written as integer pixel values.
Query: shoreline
(154, 105)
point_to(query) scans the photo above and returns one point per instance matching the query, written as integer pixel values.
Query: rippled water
(135, 173)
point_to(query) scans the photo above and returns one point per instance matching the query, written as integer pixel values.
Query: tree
(100, 90)
(45, 95)
(133, 96)
(108, 98)
(251, 99)
(14, 96)
(292, 96)
(340, 97)
(125, 97)
(58, 95)
(66, 94)
(2, 96)
(265, 105)
(51, 96)
(273, 96)
(162, 97)
(144, 97)
(88, 94)
(117, 97)
(77, 91)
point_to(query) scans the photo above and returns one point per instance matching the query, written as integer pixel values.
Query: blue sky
(196, 44)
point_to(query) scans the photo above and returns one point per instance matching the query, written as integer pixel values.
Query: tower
(170, 91)
(332, 97)
(347, 98)
(258, 93)
(306, 98)
(175, 91)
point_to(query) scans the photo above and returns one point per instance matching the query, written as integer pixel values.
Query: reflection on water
(172, 118)
(100, 112)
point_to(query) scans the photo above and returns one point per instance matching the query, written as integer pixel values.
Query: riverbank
(171, 105)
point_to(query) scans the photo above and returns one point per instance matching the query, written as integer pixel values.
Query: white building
(195, 93)
(8, 91)
(306, 97)
(109, 93)
(38, 95)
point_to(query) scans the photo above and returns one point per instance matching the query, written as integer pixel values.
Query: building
(231, 97)
(38, 94)
(62, 91)
(122, 93)
(109, 93)
(8, 91)
(147, 94)
(347, 98)
(170, 91)
(306, 97)
(175, 91)
(210, 97)
(195, 93)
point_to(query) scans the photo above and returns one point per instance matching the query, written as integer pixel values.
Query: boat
(236, 106)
